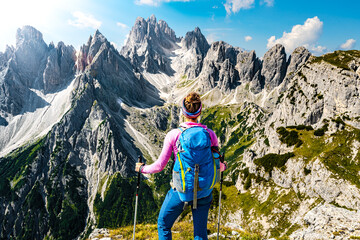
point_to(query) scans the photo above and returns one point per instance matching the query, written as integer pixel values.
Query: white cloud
(235, 5)
(212, 37)
(83, 20)
(349, 44)
(301, 35)
(318, 50)
(269, 3)
(156, 2)
(248, 38)
(122, 25)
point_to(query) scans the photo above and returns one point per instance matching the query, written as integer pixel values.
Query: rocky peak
(96, 43)
(152, 19)
(149, 44)
(29, 53)
(150, 31)
(219, 68)
(195, 39)
(274, 66)
(220, 51)
(164, 28)
(249, 68)
(297, 58)
(28, 34)
(88, 51)
(33, 65)
(4, 57)
(59, 68)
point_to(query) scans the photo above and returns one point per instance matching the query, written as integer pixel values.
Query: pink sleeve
(165, 154)
(214, 140)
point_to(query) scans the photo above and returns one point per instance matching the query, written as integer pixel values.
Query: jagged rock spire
(274, 66)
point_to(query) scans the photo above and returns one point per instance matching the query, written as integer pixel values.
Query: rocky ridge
(88, 146)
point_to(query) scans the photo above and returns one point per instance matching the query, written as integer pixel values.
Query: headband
(189, 114)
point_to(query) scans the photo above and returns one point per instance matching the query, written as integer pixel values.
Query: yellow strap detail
(182, 171)
(213, 182)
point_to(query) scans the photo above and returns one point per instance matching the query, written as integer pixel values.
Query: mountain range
(72, 124)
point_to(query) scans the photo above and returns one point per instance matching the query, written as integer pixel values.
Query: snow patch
(120, 102)
(29, 126)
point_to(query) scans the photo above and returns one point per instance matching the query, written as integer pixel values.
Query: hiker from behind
(196, 170)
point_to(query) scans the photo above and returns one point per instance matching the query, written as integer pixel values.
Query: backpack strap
(216, 149)
(196, 183)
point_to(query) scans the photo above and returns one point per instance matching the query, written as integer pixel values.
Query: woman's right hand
(138, 165)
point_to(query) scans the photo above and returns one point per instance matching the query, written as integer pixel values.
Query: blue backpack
(197, 168)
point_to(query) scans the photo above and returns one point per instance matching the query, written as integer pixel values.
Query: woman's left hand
(138, 165)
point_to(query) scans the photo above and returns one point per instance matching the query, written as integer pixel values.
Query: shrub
(247, 184)
(300, 127)
(309, 128)
(289, 138)
(266, 141)
(321, 131)
(116, 209)
(272, 160)
(307, 171)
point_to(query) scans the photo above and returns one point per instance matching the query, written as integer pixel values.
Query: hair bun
(192, 102)
(193, 97)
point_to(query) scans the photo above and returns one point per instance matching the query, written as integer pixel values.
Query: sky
(320, 25)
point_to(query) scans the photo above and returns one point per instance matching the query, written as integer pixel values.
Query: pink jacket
(170, 146)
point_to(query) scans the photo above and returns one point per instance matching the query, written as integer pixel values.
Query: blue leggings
(172, 207)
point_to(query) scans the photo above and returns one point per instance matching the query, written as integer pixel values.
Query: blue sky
(322, 26)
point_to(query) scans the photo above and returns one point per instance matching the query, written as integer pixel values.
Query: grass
(181, 230)
(253, 209)
(340, 59)
(15, 166)
(290, 138)
(230, 125)
(184, 82)
(312, 146)
(336, 155)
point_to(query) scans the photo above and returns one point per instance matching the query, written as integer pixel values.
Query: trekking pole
(221, 182)
(137, 196)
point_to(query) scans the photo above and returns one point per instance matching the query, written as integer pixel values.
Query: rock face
(59, 66)
(274, 66)
(67, 167)
(249, 68)
(195, 39)
(190, 61)
(219, 68)
(297, 58)
(149, 45)
(114, 72)
(323, 223)
(33, 64)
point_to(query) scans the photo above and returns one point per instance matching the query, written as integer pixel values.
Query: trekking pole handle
(222, 159)
(139, 174)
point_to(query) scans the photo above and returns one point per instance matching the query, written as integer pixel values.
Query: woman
(172, 206)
